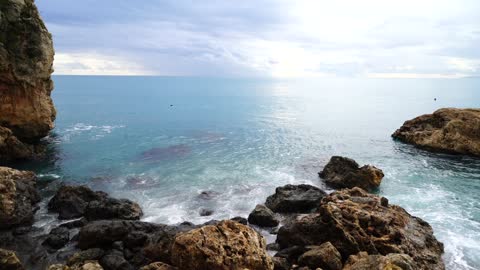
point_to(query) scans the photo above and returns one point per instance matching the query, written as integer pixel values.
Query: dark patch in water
(165, 153)
(140, 182)
(208, 195)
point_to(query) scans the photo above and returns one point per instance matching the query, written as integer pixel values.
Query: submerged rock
(263, 217)
(363, 261)
(18, 196)
(26, 58)
(342, 172)
(295, 199)
(227, 245)
(448, 130)
(9, 260)
(354, 221)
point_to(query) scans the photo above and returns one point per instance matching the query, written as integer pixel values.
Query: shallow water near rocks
(183, 146)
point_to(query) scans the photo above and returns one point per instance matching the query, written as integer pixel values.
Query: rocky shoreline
(347, 229)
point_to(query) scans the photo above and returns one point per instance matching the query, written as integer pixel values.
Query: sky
(266, 38)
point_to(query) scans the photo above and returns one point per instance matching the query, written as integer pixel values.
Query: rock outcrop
(17, 197)
(295, 199)
(26, 57)
(342, 172)
(449, 130)
(227, 245)
(77, 201)
(363, 261)
(354, 221)
(9, 260)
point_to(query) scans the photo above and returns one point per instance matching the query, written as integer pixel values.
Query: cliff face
(26, 58)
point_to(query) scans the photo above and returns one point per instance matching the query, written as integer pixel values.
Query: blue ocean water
(162, 141)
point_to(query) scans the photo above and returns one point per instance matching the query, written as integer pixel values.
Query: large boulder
(295, 199)
(71, 201)
(263, 217)
(110, 208)
(18, 196)
(342, 172)
(227, 245)
(354, 221)
(26, 58)
(450, 130)
(325, 256)
(392, 261)
(9, 260)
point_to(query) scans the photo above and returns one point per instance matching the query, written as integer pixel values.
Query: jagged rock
(262, 216)
(26, 58)
(325, 256)
(9, 260)
(110, 208)
(57, 238)
(342, 172)
(353, 221)
(227, 245)
(295, 199)
(450, 130)
(18, 196)
(363, 261)
(12, 148)
(71, 201)
(158, 266)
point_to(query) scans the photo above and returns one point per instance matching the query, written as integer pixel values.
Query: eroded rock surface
(17, 197)
(342, 172)
(295, 199)
(227, 245)
(392, 261)
(446, 130)
(9, 260)
(354, 221)
(26, 58)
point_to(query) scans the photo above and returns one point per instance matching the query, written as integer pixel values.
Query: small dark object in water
(206, 212)
(171, 105)
(435, 99)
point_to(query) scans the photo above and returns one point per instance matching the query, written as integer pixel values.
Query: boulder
(88, 265)
(342, 172)
(449, 130)
(354, 221)
(26, 58)
(263, 217)
(110, 208)
(295, 199)
(9, 260)
(18, 196)
(240, 220)
(57, 238)
(227, 245)
(363, 261)
(71, 201)
(280, 263)
(325, 256)
(80, 257)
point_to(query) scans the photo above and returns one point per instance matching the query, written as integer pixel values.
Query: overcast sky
(279, 38)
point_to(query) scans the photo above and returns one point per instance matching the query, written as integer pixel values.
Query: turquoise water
(162, 141)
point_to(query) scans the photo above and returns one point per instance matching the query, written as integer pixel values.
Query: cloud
(266, 38)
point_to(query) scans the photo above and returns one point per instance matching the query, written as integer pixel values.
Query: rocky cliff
(26, 57)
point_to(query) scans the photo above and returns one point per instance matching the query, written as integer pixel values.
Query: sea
(184, 146)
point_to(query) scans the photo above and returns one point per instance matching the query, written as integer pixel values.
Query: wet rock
(80, 257)
(26, 58)
(115, 261)
(342, 172)
(273, 247)
(295, 199)
(57, 238)
(75, 223)
(9, 260)
(448, 130)
(363, 261)
(88, 265)
(71, 201)
(158, 266)
(240, 220)
(18, 196)
(354, 221)
(206, 212)
(228, 245)
(325, 256)
(110, 208)
(263, 217)
(280, 263)
(208, 195)
(292, 253)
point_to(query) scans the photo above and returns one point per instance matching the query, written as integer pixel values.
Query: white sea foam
(94, 132)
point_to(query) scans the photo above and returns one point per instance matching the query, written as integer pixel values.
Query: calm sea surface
(162, 141)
